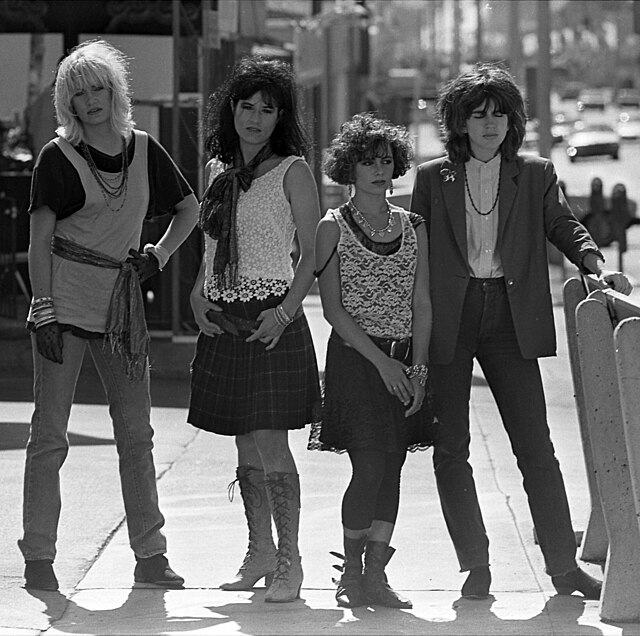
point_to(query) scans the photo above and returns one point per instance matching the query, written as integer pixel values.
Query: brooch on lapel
(448, 175)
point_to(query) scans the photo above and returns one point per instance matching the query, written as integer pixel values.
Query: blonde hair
(93, 63)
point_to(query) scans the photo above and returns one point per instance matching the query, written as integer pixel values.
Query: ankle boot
(478, 582)
(376, 587)
(260, 559)
(577, 581)
(283, 491)
(350, 592)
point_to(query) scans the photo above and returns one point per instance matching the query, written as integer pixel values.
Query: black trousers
(487, 334)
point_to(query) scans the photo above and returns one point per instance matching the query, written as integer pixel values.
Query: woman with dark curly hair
(489, 212)
(374, 281)
(254, 375)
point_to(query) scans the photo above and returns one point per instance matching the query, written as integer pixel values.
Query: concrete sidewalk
(207, 539)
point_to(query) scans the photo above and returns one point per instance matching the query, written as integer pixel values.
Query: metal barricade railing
(603, 333)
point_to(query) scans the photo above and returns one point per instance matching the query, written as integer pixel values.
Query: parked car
(593, 99)
(628, 98)
(593, 139)
(629, 125)
(563, 125)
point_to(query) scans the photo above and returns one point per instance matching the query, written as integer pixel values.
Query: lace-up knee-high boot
(260, 559)
(283, 490)
(350, 592)
(376, 587)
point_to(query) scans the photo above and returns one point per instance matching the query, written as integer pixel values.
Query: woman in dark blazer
(489, 213)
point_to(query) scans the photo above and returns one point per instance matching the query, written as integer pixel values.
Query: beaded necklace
(372, 230)
(495, 201)
(111, 187)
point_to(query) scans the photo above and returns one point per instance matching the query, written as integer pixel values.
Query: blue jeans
(129, 406)
(487, 333)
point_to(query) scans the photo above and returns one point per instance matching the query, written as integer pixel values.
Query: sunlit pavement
(207, 536)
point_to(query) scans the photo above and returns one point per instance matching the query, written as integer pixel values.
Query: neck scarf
(218, 214)
(126, 330)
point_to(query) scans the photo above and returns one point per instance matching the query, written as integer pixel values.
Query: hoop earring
(391, 188)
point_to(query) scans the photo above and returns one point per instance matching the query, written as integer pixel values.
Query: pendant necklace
(112, 186)
(372, 230)
(495, 201)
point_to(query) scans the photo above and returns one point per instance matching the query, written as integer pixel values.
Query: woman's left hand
(616, 281)
(269, 329)
(419, 394)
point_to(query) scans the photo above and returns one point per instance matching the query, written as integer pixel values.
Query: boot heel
(268, 579)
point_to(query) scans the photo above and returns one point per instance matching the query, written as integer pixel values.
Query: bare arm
(42, 225)
(300, 189)
(421, 316)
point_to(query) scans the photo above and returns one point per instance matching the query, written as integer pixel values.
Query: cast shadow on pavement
(150, 612)
(14, 436)
(560, 615)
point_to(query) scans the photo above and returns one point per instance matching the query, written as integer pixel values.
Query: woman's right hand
(395, 379)
(200, 306)
(49, 342)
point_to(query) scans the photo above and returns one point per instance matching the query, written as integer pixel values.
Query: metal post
(457, 19)
(479, 31)
(543, 90)
(175, 151)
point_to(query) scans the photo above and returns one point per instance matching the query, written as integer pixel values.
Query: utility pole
(543, 89)
(457, 19)
(175, 151)
(515, 42)
(479, 29)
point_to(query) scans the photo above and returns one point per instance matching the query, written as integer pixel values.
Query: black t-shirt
(56, 183)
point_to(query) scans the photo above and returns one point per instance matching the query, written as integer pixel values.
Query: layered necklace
(495, 201)
(363, 221)
(112, 186)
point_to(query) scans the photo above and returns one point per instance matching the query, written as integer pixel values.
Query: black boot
(577, 581)
(39, 575)
(350, 592)
(374, 581)
(477, 583)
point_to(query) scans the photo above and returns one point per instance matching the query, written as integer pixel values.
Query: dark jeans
(487, 333)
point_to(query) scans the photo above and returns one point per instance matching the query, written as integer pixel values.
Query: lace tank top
(377, 289)
(266, 230)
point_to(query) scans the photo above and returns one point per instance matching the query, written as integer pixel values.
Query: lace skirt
(358, 413)
(238, 387)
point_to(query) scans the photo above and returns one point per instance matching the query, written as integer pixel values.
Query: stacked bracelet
(419, 371)
(282, 317)
(161, 253)
(42, 311)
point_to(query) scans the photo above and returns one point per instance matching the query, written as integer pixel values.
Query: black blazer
(532, 209)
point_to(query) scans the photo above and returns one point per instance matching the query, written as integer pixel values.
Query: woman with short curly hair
(373, 277)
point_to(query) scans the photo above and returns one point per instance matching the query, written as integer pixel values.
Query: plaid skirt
(358, 412)
(238, 387)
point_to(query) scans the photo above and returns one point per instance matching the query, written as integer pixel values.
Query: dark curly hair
(275, 80)
(366, 136)
(485, 83)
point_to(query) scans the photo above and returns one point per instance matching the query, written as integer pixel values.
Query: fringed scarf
(126, 330)
(218, 214)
